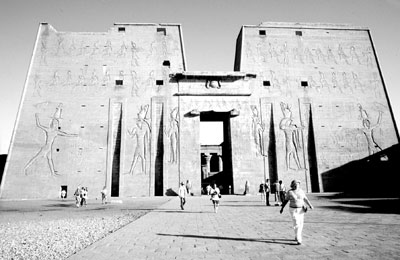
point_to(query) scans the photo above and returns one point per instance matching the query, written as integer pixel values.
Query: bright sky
(210, 28)
(217, 129)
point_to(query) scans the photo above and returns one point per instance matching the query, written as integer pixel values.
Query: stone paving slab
(246, 229)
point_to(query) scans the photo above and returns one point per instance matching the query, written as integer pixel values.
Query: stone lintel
(212, 75)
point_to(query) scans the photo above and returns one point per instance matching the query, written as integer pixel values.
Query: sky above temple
(210, 28)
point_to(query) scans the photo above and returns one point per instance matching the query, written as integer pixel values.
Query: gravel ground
(48, 230)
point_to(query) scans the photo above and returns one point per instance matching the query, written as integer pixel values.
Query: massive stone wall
(119, 109)
(326, 75)
(93, 102)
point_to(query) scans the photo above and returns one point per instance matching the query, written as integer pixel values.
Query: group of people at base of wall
(296, 198)
(81, 196)
(213, 191)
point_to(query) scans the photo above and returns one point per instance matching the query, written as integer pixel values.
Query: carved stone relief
(60, 47)
(368, 130)
(107, 51)
(331, 56)
(43, 53)
(151, 81)
(375, 82)
(213, 84)
(56, 79)
(122, 51)
(51, 133)
(369, 56)
(68, 80)
(106, 77)
(302, 53)
(95, 50)
(323, 82)
(172, 134)
(37, 91)
(342, 55)
(258, 129)
(135, 85)
(356, 82)
(141, 134)
(292, 137)
(135, 57)
(354, 56)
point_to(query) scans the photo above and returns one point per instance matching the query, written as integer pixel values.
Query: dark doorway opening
(216, 158)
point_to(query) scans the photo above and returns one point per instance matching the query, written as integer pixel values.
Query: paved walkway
(246, 229)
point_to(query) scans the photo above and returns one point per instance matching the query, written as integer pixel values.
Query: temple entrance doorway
(216, 151)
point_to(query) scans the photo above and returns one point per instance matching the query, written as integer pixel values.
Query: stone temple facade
(119, 109)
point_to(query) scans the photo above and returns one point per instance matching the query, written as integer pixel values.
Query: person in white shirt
(215, 196)
(182, 194)
(297, 200)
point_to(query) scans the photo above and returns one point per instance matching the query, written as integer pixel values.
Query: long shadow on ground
(261, 240)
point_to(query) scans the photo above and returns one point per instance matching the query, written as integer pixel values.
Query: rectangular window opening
(299, 33)
(121, 29)
(162, 31)
(166, 63)
(119, 82)
(266, 83)
(304, 84)
(262, 33)
(159, 82)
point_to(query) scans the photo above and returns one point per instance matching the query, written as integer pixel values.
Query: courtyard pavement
(244, 228)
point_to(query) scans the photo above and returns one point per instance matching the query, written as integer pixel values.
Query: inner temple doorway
(216, 151)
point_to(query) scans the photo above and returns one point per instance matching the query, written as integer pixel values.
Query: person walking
(188, 187)
(282, 191)
(276, 188)
(261, 190)
(297, 200)
(208, 188)
(267, 190)
(182, 194)
(215, 196)
(104, 195)
(77, 195)
(63, 194)
(84, 195)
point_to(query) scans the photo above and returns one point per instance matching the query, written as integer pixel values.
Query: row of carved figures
(340, 82)
(84, 79)
(296, 135)
(157, 48)
(267, 52)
